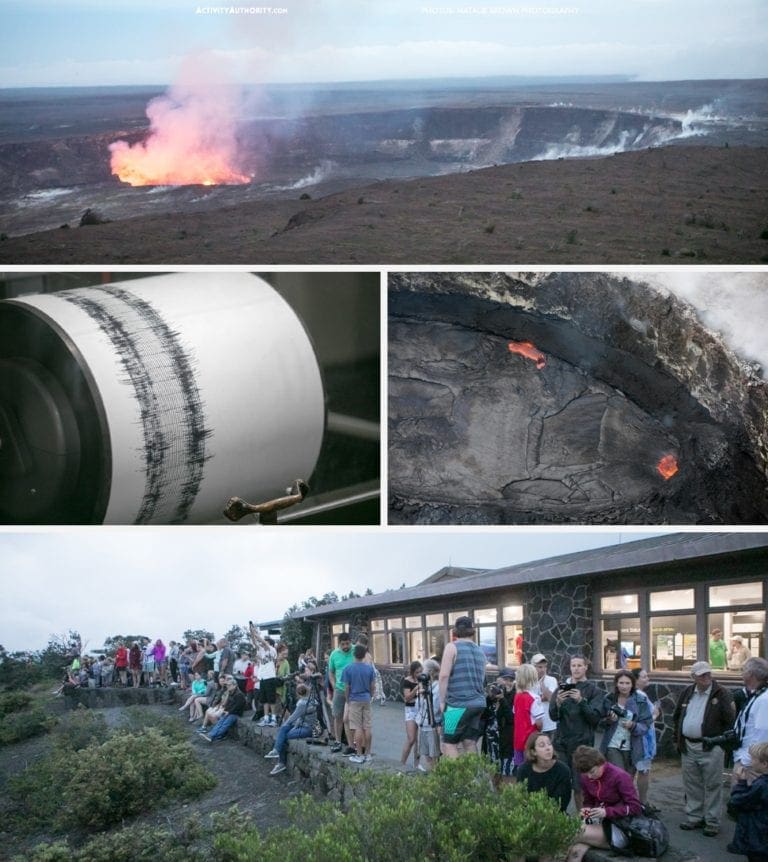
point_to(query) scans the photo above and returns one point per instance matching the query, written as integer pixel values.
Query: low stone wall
(318, 770)
(105, 698)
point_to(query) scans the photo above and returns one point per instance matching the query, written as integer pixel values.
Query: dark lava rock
(91, 216)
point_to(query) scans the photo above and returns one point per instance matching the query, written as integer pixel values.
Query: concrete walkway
(666, 793)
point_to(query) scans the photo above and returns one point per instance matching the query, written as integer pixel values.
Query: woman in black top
(409, 688)
(541, 771)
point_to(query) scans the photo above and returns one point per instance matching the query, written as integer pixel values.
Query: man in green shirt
(717, 650)
(340, 658)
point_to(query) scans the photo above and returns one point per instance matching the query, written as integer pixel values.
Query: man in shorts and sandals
(462, 690)
(359, 681)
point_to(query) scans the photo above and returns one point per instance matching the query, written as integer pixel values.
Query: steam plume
(192, 137)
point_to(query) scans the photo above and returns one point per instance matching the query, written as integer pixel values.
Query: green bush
(137, 843)
(136, 719)
(452, 814)
(24, 725)
(98, 785)
(14, 701)
(80, 728)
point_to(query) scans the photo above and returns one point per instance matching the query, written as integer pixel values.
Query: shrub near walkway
(452, 814)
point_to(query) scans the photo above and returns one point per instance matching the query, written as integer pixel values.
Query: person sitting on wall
(233, 709)
(543, 771)
(608, 794)
(298, 725)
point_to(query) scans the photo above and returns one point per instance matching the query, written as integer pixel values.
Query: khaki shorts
(428, 742)
(360, 715)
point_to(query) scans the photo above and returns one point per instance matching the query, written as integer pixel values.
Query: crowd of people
(543, 734)
(538, 731)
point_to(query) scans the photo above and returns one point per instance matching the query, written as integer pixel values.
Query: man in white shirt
(264, 662)
(752, 721)
(545, 688)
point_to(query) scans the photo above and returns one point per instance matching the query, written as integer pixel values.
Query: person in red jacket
(527, 708)
(608, 794)
(121, 663)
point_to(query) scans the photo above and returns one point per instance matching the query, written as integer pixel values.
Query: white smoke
(580, 151)
(734, 304)
(324, 171)
(192, 136)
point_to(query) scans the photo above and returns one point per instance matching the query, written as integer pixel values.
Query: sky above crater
(162, 581)
(142, 42)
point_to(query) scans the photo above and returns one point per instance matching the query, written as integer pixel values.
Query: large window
(401, 640)
(679, 626)
(621, 647)
(388, 641)
(740, 628)
(673, 642)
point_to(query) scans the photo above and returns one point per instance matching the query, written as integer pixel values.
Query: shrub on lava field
(453, 813)
(136, 719)
(22, 718)
(79, 729)
(24, 725)
(14, 701)
(136, 843)
(102, 783)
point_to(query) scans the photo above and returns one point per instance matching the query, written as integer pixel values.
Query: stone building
(649, 603)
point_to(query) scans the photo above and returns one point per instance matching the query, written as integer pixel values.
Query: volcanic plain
(677, 204)
(445, 172)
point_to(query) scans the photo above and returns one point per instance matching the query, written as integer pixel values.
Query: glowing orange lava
(192, 138)
(142, 165)
(529, 351)
(667, 466)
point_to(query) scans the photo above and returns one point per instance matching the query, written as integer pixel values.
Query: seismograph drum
(153, 401)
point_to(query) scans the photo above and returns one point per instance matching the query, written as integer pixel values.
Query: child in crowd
(750, 802)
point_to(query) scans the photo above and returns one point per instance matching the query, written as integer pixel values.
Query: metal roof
(668, 550)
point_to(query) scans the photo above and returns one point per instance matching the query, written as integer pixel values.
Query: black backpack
(647, 836)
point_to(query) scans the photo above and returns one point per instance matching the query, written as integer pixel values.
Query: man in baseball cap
(705, 708)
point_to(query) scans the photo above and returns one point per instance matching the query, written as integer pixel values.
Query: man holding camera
(752, 723)
(705, 709)
(576, 707)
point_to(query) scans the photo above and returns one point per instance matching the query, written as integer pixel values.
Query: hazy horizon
(89, 43)
(445, 81)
